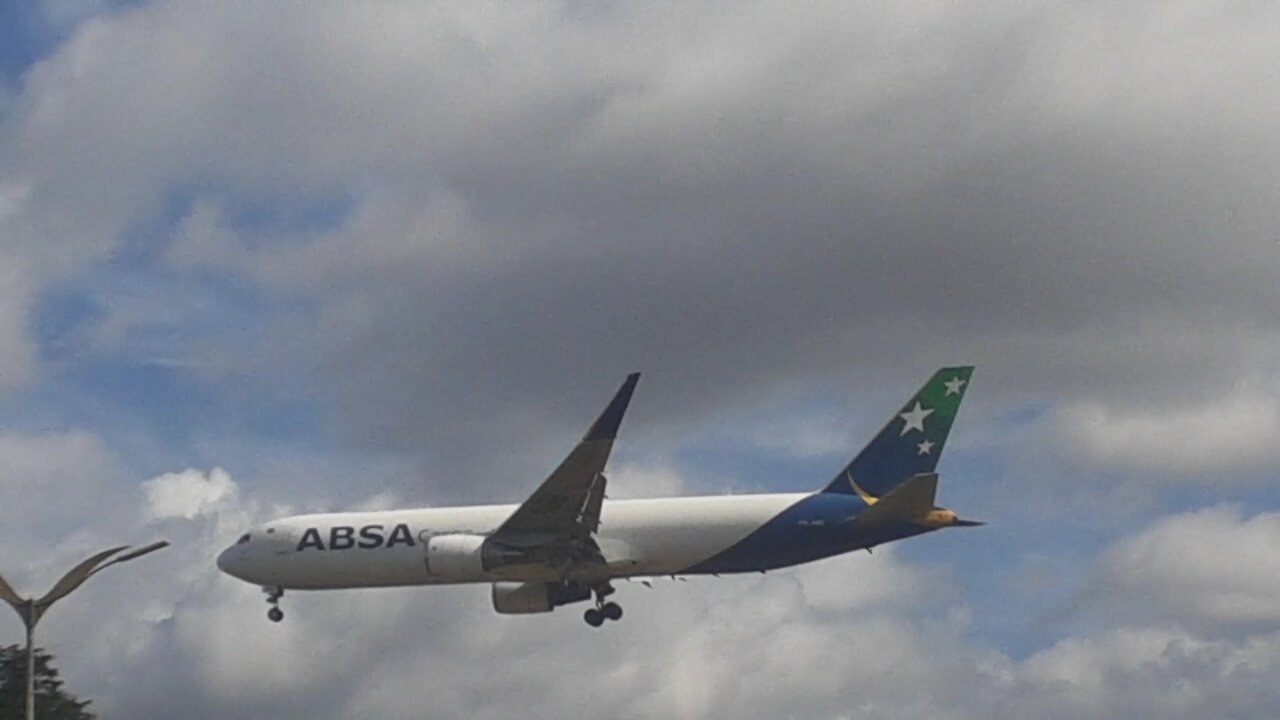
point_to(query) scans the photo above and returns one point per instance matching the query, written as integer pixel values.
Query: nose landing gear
(596, 616)
(275, 614)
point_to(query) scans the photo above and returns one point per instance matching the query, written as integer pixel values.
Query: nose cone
(229, 561)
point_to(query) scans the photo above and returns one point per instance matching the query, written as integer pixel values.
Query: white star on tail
(924, 448)
(915, 418)
(953, 385)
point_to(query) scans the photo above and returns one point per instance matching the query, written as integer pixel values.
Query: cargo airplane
(567, 543)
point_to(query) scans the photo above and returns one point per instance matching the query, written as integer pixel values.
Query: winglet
(606, 426)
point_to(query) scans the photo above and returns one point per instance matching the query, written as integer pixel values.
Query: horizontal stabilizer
(967, 523)
(912, 500)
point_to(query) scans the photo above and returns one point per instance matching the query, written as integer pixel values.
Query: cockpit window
(243, 539)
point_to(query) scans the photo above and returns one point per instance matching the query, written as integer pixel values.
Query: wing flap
(590, 516)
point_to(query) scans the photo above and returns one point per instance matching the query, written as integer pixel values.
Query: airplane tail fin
(909, 445)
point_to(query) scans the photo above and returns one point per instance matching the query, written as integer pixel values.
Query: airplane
(567, 543)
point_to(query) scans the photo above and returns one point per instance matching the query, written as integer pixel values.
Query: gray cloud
(759, 191)
(1209, 569)
(756, 199)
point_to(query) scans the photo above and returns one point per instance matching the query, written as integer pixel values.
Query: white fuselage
(659, 536)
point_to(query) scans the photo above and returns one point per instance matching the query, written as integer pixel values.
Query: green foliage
(52, 702)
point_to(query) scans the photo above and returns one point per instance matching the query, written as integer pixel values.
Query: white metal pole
(31, 660)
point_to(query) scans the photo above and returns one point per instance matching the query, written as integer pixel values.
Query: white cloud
(855, 636)
(200, 240)
(17, 353)
(1149, 673)
(53, 481)
(1212, 569)
(1087, 666)
(628, 480)
(1226, 437)
(189, 494)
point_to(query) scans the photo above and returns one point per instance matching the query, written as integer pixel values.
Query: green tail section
(911, 443)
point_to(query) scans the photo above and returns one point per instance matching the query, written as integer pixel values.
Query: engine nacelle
(511, 598)
(456, 556)
(469, 557)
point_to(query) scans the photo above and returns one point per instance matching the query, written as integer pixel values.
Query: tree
(52, 702)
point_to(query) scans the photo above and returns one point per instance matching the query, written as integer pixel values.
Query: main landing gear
(275, 614)
(596, 616)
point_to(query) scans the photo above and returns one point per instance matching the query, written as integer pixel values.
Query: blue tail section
(912, 441)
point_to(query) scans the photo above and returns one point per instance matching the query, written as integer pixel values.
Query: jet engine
(511, 598)
(469, 556)
(455, 556)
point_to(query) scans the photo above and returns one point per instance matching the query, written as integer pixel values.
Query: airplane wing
(566, 506)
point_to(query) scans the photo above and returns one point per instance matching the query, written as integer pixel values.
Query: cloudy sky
(261, 258)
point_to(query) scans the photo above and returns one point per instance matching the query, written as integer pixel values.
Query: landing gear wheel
(275, 614)
(611, 610)
(593, 617)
